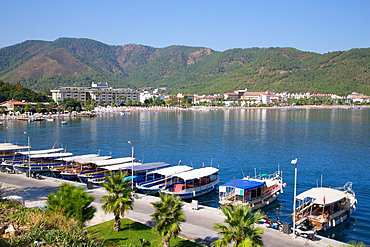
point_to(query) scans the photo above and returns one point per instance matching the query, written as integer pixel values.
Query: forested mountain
(42, 65)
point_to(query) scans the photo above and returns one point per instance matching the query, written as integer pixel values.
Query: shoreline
(130, 109)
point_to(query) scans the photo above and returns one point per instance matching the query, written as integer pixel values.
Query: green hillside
(42, 65)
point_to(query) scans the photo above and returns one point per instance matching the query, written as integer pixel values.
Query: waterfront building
(97, 92)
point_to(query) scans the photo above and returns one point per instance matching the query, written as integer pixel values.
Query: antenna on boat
(317, 182)
(191, 164)
(211, 162)
(255, 172)
(243, 173)
(99, 152)
(55, 144)
(321, 180)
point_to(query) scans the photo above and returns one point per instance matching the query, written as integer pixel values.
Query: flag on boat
(323, 200)
(294, 162)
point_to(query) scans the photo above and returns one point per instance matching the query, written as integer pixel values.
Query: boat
(40, 163)
(257, 192)
(85, 114)
(323, 208)
(10, 151)
(158, 179)
(193, 183)
(64, 122)
(139, 171)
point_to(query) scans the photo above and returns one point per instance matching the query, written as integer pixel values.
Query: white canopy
(6, 147)
(85, 159)
(123, 166)
(173, 170)
(330, 195)
(79, 157)
(45, 151)
(113, 161)
(197, 173)
(52, 155)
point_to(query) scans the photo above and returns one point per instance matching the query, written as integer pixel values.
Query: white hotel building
(96, 92)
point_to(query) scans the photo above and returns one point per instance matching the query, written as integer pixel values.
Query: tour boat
(158, 179)
(139, 171)
(323, 208)
(193, 183)
(257, 192)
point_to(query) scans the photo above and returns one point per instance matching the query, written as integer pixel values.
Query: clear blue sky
(310, 25)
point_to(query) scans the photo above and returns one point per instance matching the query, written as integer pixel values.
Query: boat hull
(194, 192)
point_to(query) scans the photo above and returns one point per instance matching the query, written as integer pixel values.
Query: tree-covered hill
(42, 65)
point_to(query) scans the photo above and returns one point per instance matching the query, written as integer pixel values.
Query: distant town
(71, 98)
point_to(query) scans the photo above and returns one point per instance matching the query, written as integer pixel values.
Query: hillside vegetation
(42, 65)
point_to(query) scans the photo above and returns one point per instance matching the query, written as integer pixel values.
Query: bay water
(332, 147)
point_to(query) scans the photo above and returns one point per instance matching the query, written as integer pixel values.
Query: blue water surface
(332, 147)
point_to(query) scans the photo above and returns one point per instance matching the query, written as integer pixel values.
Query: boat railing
(264, 176)
(227, 195)
(152, 182)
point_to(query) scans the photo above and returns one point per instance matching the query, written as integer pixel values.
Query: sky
(319, 26)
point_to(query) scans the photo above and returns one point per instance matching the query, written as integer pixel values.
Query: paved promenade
(198, 226)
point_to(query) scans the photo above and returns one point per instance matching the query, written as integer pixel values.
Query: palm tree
(119, 200)
(240, 228)
(168, 215)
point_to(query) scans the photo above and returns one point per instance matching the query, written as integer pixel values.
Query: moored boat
(159, 179)
(323, 208)
(193, 183)
(257, 192)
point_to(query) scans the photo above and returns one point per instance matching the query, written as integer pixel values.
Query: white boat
(64, 122)
(193, 183)
(257, 192)
(159, 179)
(139, 170)
(324, 208)
(44, 151)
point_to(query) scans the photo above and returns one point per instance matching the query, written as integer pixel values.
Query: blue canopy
(244, 184)
(150, 166)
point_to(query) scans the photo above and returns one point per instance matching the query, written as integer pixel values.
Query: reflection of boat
(158, 179)
(122, 113)
(323, 208)
(257, 192)
(64, 122)
(193, 183)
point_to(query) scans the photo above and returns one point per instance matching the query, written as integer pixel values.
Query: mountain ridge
(43, 65)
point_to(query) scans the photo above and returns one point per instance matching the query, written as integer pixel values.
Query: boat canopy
(45, 151)
(149, 166)
(138, 167)
(10, 147)
(51, 155)
(122, 166)
(322, 194)
(244, 184)
(197, 173)
(113, 161)
(79, 157)
(170, 171)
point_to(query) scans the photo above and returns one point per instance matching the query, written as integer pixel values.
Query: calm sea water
(332, 147)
